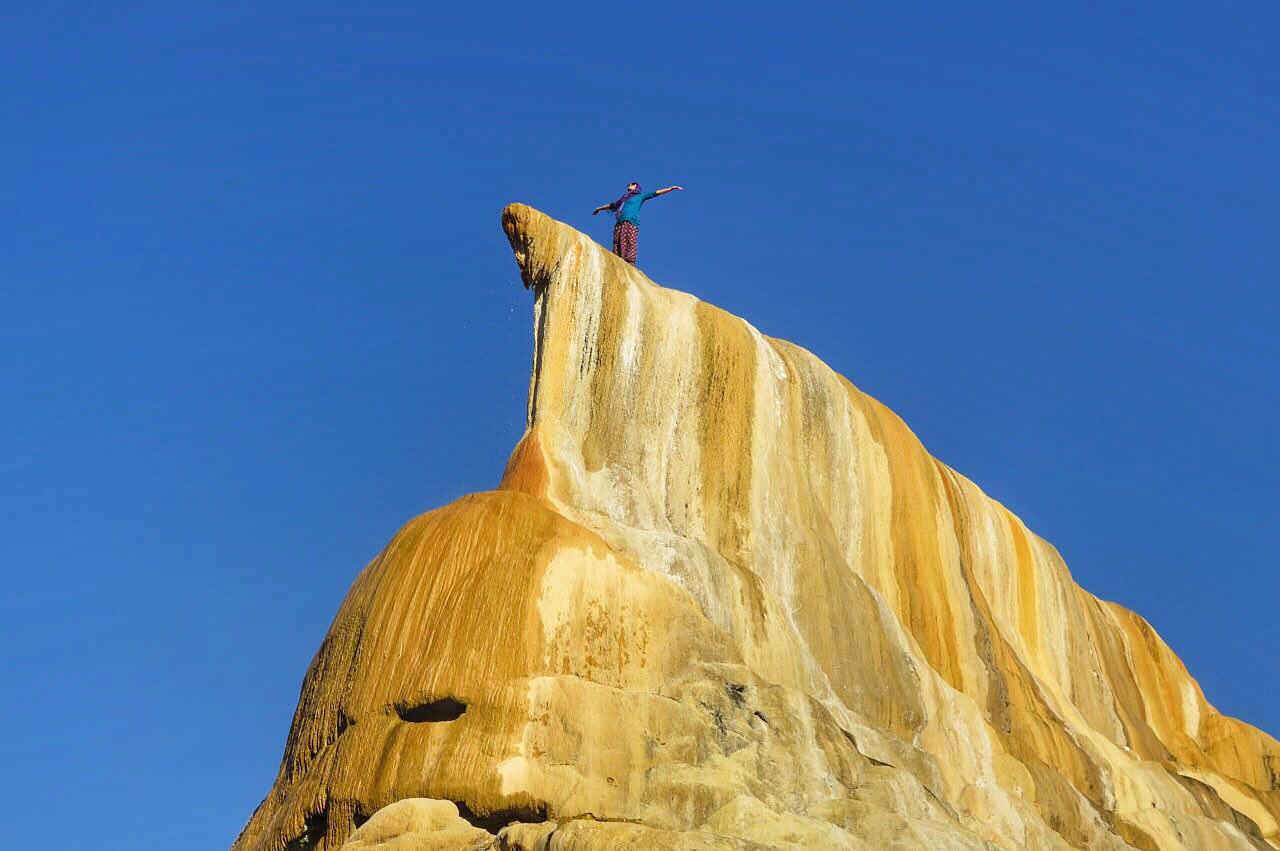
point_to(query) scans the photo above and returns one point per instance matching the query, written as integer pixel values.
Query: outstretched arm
(612, 205)
(668, 189)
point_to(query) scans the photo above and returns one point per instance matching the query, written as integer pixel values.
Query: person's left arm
(655, 193)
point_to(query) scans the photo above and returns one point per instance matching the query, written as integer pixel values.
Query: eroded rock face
(723, 599)
(420, 824)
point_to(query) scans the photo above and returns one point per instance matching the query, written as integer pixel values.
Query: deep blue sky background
(258, 312)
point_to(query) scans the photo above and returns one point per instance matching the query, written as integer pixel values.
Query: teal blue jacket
(630, 209)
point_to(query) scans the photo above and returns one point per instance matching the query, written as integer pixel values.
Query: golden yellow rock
(420, 824)
(723, 599)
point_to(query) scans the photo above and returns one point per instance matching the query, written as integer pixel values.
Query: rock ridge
(723, 598)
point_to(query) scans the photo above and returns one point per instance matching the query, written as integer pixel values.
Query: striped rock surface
(723, 599)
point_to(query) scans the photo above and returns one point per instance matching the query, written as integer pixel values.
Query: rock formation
(723, 599)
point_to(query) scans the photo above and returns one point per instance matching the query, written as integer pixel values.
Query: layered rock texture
(724, 599)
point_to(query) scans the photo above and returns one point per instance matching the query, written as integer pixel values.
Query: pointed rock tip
(513, 218)
(535, 238)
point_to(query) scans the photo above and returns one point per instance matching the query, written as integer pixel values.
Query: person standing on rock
(626, 229)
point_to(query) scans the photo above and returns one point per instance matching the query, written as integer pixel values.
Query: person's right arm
(612, 205)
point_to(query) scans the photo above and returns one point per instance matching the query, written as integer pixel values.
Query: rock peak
(724, 599)
(541, 244)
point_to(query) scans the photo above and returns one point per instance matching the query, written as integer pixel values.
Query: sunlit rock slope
(723, 599)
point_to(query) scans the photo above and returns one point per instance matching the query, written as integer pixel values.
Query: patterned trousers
(624, 240)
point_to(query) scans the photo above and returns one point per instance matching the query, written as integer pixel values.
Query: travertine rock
(723, 599)
(420, 824)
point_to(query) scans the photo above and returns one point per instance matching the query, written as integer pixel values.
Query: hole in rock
(313, 831)
(498, 819)
(717, 717)
(444, 709)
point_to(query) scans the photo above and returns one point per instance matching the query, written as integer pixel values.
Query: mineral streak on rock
(724, 599)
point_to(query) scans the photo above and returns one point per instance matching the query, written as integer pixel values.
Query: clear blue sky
(258, 312)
